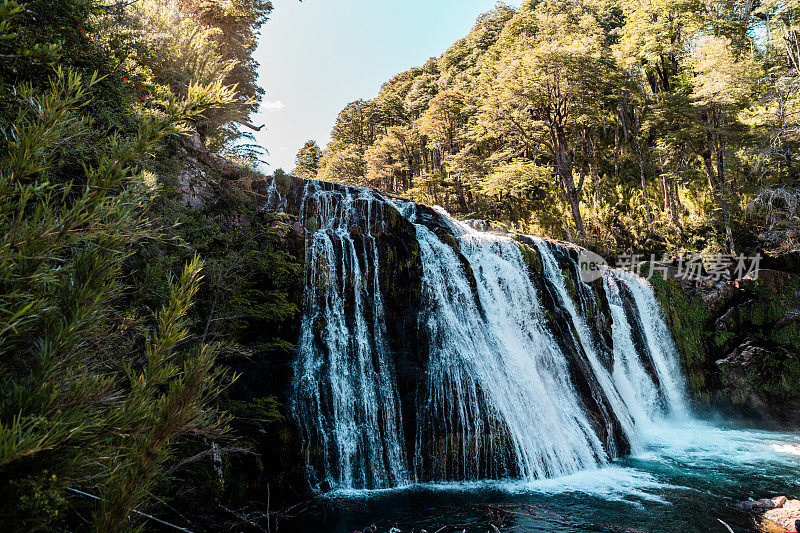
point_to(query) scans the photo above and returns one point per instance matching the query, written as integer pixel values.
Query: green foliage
(687, 320)
(94, 395)
(169, 400)
(788, 335)
(620, 125)
(41, 502)
(778, 380)
(252, 277)
(722, 337)
(307, 161)
(116, 350)
(164, 50)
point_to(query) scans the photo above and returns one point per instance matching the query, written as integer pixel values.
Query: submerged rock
(759, 505)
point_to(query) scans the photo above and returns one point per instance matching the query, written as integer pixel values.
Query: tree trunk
(640, 157)
(593, 170)
(673, 192)
(726, 215)
(616, 155)
(717, 192)
(563, 165)
(638, 145)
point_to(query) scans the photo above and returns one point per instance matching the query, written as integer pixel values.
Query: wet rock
(740, 342)
(715, 294)
(745, 355)
(785, 516)
(757, 378)
(757, 505)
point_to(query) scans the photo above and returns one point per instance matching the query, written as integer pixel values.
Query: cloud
(272, 105)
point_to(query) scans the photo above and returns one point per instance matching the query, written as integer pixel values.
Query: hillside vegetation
(662, 126)
(123, 312)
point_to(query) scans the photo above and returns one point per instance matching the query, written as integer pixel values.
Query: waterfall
(516, 368)
(660, 345)
(584, 340)
(501, 403)
(638, 388)
(345, 399)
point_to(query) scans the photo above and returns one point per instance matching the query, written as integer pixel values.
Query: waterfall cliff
(431, 351)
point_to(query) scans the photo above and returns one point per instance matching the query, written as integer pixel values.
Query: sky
(318, 55)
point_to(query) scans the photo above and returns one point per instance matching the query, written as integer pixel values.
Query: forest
(123, 310)
(666, 126)
(191, 342)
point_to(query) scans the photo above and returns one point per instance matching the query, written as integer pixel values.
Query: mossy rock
(687, 321)
(721, 337)
(283, 183)
(450, 241)
(569, 284)
(788, 335)
(312, 224)
(394, 219)
(532, 258)
(759, 313)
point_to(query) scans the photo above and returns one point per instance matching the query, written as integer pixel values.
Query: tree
(345, 165)
(393, 160)
(721, 83)
(307, 161)
(443, 125)
(547, 87)
(236, 24)
(90, 400)
(674, 112)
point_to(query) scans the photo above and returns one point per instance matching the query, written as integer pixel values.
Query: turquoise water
(508, 389)
(689, 477)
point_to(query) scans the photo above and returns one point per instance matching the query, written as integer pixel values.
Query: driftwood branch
(251, 126)
(206, 453)
(151, 517)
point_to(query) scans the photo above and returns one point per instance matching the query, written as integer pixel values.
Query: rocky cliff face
(740, 343)
(358, 239)
(738, 340)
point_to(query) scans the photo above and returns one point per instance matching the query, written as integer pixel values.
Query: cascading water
(636, 386)
(660, 345)
(657, 392)
(585, 342)
(501, 403)
(516, 382)
(345, 399)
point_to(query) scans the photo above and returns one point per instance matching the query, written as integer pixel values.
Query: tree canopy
(614, 123)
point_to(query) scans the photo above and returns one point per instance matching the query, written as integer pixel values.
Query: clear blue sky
(318, 55)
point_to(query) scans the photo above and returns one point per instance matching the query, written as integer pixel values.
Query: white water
(345, 397)
(661, 345)
(556, 278)
(498, 400)
(498, 370)
(637, 388)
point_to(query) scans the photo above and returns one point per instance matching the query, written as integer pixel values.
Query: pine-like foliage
(117, 341)
(95, 395)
